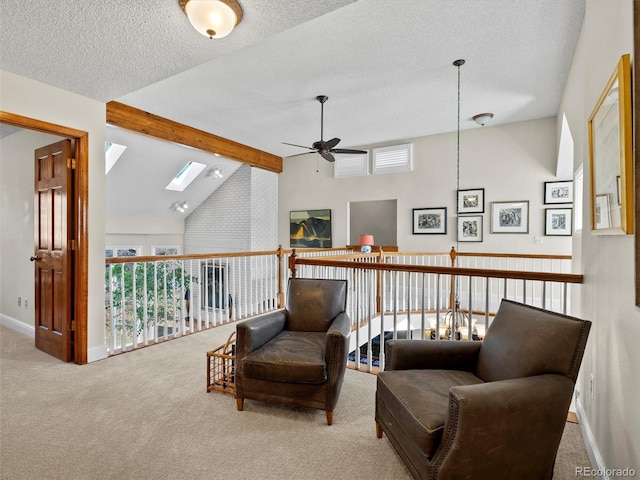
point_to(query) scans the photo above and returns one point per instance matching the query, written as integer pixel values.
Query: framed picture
(557, 221)
(430, 220)
(610, 128)
(470, 228)
(471, 200)
(510, 217)
(558, 192)
(310, 229)
(602, 212)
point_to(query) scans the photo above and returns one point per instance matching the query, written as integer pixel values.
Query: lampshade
(483, 118)
(365, 243)
(366, 240)
(212, 18)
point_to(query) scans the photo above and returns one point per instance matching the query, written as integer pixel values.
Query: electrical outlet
(19, 301)
(591, 392)
(537, 240)
(26, 303)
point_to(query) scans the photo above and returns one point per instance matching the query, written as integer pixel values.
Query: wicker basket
(221, 367)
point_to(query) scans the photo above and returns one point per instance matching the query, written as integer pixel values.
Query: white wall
(16, 223)
(147, 232)
(510, 162)
(610, 417)
(22, 96)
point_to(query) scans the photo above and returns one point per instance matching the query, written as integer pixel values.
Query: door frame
(80, 228)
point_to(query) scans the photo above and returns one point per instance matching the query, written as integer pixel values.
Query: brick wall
(240, 216)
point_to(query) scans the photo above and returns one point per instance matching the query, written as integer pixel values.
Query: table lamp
(365, 243)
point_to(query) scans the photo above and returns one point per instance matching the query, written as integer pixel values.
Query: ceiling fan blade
(299, 154)
(301, 146)
(328, 157)
(329, 144)
(347, 150)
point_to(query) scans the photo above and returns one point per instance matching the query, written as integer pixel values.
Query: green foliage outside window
(163, 294)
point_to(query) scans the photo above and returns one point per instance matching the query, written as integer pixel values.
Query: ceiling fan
(325, 149)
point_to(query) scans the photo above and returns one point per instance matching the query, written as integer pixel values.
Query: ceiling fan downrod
(322, 99)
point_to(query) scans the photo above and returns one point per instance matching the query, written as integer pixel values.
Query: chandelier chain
(457, 63)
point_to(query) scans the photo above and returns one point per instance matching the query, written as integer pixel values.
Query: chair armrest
(519, 422)
(255, 332)
(341, 325)
(337, 342)
(431, 354)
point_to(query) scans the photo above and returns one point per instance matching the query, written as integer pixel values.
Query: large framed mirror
(611, 151)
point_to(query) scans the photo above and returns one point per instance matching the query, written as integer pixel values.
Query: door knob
(35, 258)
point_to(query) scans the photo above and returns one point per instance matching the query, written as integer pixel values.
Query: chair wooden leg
(329, 417)
(240, 404)
(378, 430)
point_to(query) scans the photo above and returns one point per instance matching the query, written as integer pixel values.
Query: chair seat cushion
(419, 401)
(297, 357)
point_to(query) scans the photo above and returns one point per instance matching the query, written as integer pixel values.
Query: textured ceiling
(386, 65)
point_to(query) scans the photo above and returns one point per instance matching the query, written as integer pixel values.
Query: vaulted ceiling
(386, 66)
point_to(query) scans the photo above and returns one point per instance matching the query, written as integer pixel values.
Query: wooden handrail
(516, 255)
(482, 254)
(195, 256)
(466, 272)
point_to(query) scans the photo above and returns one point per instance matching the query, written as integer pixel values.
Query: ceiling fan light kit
(212, 18)
(325, 149)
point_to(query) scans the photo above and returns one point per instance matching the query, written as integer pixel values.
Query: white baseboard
(94, 354)
(18, 326)
(97, 353)
(590, 442)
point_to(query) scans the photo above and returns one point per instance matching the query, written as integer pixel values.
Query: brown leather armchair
(491, 410)
(297, 355)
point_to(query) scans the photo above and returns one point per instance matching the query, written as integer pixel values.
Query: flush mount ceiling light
(180, 206)
(212, 18)
(216, 172)
(483, 118)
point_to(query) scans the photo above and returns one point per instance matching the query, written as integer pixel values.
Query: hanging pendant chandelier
(455, 319)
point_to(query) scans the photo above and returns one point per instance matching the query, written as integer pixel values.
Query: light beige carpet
(146, 415)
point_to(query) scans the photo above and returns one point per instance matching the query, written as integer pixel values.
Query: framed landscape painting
(510, 217)
(470, 228)
(430, 220)
(310, 229)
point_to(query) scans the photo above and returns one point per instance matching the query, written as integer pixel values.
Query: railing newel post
(280, 255)
(292, 263)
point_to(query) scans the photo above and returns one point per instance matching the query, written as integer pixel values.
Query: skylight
(113, 151)
(185, 176)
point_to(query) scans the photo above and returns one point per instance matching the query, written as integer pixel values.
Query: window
(126, 251)
(166, 250)
(351, 165)
(393, 159)
(185, 176)
(113, 151)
